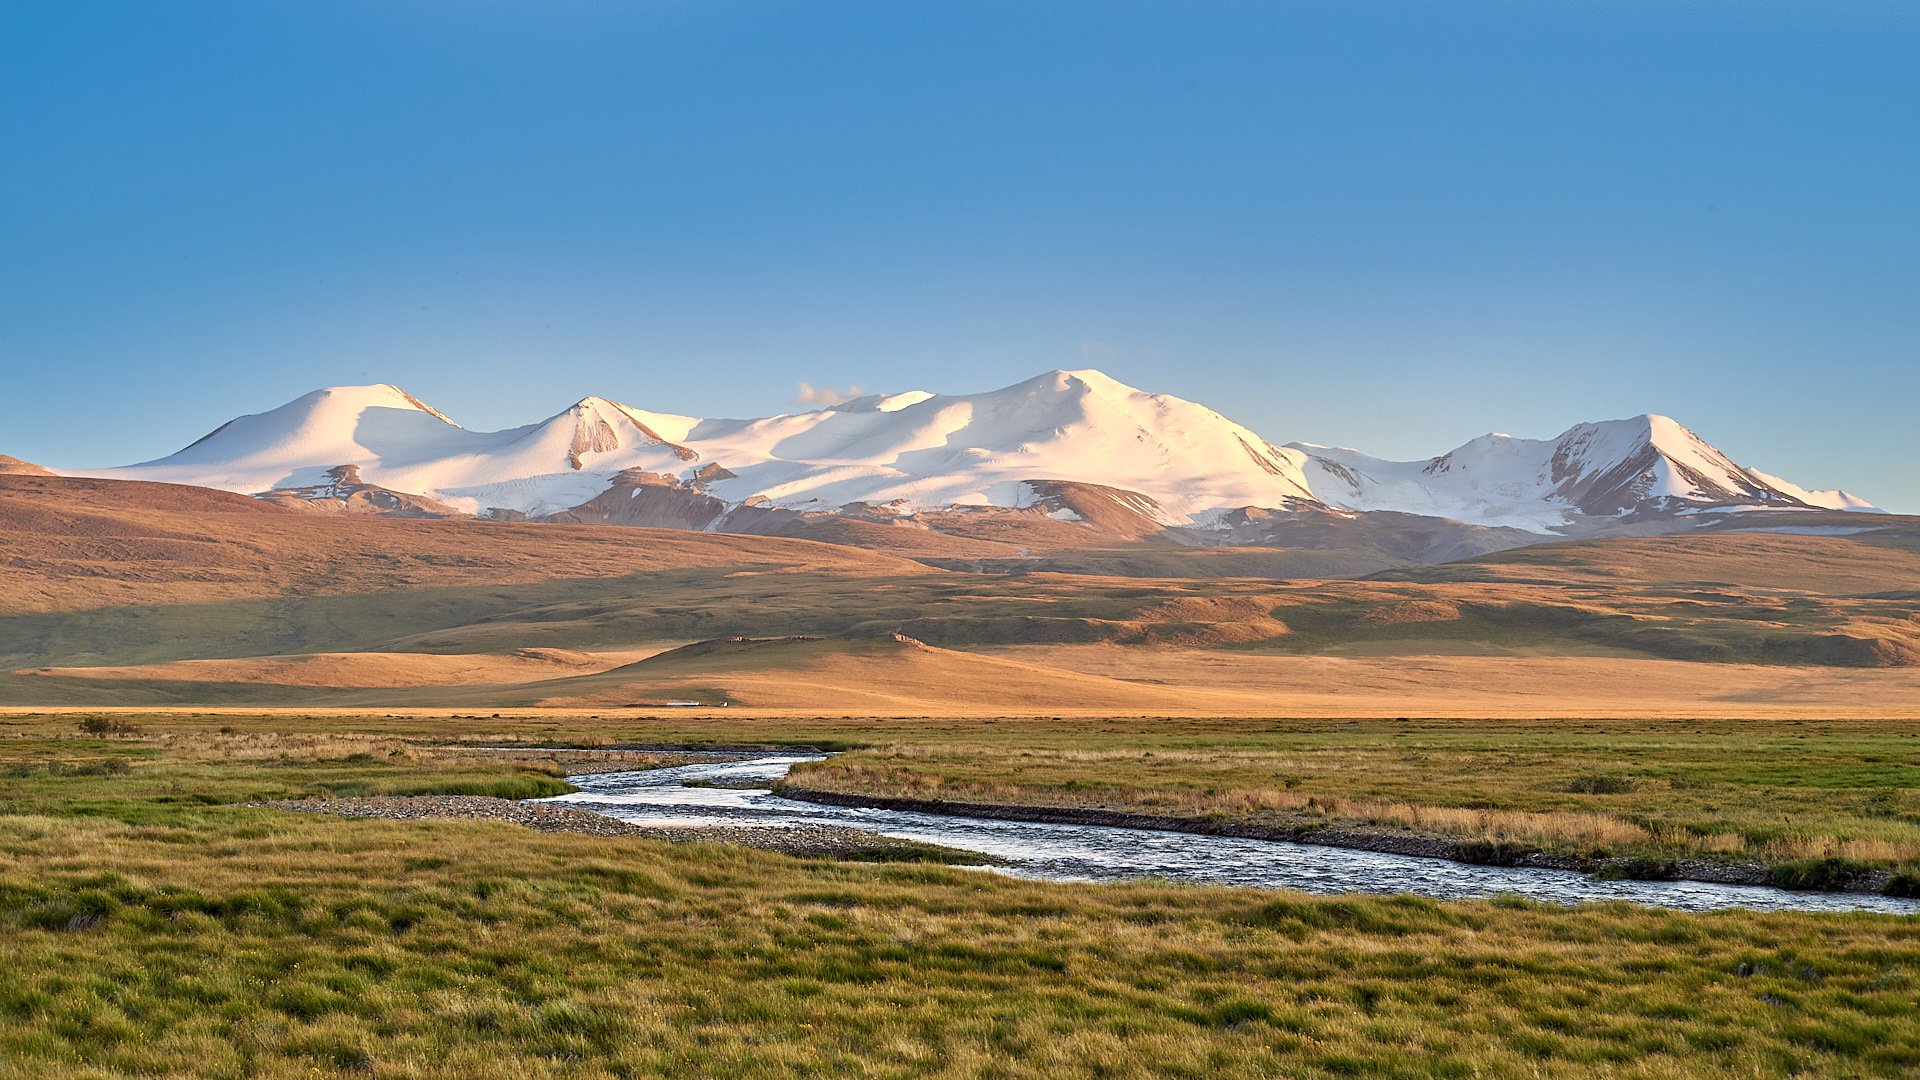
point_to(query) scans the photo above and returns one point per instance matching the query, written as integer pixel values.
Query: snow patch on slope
(1825, 498)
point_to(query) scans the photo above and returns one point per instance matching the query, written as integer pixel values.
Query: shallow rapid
(1057, 852)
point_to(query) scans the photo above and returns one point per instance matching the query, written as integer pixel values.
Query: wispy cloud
(823, 395)
(1089, 349)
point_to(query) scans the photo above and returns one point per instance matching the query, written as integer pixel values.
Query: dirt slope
(13, 466)
(888, 674)
(74, 544)
(1886, 559)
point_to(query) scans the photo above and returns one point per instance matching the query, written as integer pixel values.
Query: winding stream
(1057, 852)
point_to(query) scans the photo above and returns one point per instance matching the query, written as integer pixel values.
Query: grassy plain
(156, 929)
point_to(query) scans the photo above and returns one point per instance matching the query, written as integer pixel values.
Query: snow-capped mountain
(1609, 472)
(916, 450)
(1062, 444)
(399, 442)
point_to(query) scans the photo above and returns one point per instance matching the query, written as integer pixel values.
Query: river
(1058, 852)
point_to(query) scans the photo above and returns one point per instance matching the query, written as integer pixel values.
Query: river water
(1105, 853)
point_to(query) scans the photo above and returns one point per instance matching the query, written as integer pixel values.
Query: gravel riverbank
(813, 841)
(593, 762)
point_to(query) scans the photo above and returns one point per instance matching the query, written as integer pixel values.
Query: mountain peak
(593, 405)
(1650, 457)
(16, 467)
(595, 425)
(371, 395)
(884, 403)
(332, 416)
(1090, 378)
(1651, 426)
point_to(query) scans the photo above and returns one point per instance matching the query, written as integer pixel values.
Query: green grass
(153, 929)
(914, 851)
(130, 781)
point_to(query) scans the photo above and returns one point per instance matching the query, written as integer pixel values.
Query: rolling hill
(128, 593)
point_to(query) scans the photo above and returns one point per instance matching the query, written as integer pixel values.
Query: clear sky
(1391, 225)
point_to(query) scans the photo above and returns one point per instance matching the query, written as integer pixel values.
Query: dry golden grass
(1579, 830)
(1557, 828)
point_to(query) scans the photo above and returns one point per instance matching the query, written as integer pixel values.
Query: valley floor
(156, 927)
(885, 678)
(1413, 678)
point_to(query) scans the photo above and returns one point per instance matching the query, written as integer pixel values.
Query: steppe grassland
(156, 929)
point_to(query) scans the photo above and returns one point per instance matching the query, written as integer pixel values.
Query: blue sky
(1391, 225)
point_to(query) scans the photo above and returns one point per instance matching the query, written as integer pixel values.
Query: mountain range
(1062, 455)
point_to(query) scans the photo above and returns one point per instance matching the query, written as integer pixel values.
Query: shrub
(1816, 875)
(96, 767)
(1903, 883)
(1490, 853)
(1600, 784)
(1636, 868)
(107, 725)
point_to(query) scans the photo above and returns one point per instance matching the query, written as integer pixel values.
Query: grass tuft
(1600, 784)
